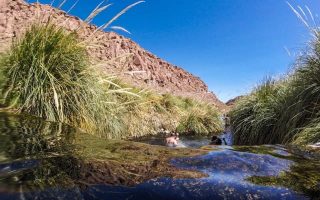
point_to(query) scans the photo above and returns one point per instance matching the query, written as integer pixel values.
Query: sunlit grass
(283, 111)
(286, 110)
(48, 73)
(200, 119)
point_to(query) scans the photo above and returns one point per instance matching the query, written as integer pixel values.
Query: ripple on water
(238, 165)
(227, 170)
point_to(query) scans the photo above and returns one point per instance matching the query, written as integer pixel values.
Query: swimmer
(172, 140)
(217, 141)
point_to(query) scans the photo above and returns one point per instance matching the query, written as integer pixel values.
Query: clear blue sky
(230, 44)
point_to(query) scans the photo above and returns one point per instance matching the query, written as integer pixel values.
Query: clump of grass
(255, 115)
(288, 112)
(45, 74)
(283, 111)
(154, 113)
(200, 120)
(48, 74)
(309, 133)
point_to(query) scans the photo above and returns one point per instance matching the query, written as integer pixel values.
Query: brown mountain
(133, 64)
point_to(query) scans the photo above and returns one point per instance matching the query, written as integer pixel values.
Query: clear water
(37, 161)
(186, 141)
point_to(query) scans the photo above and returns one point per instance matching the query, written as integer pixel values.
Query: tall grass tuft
(200, 120)
(255, 116)
(48, 74)
(283, 111)
(287, 110)
(45, 74)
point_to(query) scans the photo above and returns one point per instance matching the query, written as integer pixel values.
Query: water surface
(40, 160)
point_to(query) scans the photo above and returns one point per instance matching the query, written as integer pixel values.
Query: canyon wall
(116, 54)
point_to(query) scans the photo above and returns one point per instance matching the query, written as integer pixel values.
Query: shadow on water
(41, 160)
(34, 154)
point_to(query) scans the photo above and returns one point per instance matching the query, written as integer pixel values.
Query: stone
(137, 60)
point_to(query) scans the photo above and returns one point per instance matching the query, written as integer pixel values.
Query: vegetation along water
(69, 130)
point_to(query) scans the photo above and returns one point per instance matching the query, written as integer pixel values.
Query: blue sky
(230, 44)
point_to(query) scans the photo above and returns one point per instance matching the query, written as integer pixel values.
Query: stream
(37, 161)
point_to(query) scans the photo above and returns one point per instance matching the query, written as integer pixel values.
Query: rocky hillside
(134, 64)
(233, 101)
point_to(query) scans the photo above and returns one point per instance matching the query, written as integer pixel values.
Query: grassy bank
(47, 73)
(286, 110)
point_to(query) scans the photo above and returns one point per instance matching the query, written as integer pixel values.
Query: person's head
(218, 141)
(215, 140)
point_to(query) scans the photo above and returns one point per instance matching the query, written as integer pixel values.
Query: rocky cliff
(132, 63)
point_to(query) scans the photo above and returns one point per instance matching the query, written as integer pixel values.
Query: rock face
(231, 103)
(129, 61)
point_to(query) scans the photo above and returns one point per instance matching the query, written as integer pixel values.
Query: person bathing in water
(172, 140)
(218, 141)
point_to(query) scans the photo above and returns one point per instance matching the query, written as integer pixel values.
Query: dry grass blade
(74, 5)
(106, 25)
(96, 12)
(119, 15)
(303, 20)
(302, 11)
(52, 2)
(311, 15)
(61, 4)
(120, 28)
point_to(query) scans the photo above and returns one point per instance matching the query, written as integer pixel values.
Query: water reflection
(24, 137)
(40, 160)
(34, 154)
(227, 170)
(186, 141)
